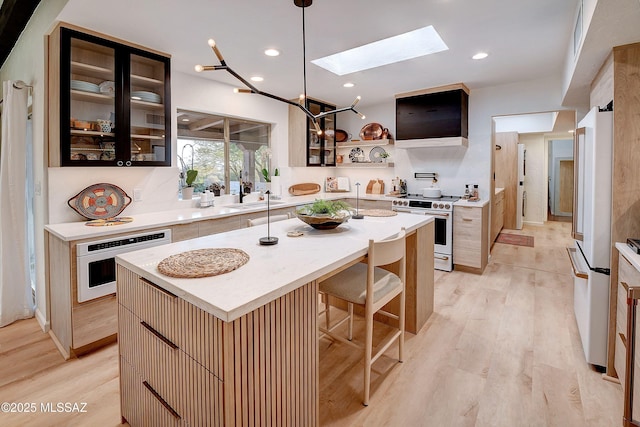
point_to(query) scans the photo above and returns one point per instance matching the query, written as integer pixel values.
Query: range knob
(395, 202)
(441, 206)
(447, 206)
(406, 203)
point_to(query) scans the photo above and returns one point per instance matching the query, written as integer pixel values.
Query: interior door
(565, 187)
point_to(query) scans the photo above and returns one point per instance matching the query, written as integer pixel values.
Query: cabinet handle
(159, 335)
(467, 219)
(120, 163)
(161, 400)
(164, 291)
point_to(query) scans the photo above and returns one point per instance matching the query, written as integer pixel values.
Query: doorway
(548, 176)
(560, 190)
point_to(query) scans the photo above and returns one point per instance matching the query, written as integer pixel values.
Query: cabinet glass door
(92, 98)
(148, 123)
(321, 149)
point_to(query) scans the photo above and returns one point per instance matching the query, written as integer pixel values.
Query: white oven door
(443, 232)
(97, 274)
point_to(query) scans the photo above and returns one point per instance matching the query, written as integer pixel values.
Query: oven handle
(442, 257)
(422, 212)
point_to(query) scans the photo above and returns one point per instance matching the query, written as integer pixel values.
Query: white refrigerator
(520, 200)
(590, 255)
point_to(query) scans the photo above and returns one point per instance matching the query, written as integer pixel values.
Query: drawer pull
(467, 219)
(164, 291)
(161, 400)
(159, 335)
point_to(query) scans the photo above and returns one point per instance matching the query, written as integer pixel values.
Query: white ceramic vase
(187, 193)
(275, 185)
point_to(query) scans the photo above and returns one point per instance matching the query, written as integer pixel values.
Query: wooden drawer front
(182, 232)
(164, 313)
(139, 405)
(202, 394)
(214, 226)
(94, 320)
(155, 358)
(467, 232)
(158, 308)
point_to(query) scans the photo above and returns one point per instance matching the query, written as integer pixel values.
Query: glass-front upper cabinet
(321, 149)
(114, 103)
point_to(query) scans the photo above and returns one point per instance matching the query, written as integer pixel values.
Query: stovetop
(415, 196)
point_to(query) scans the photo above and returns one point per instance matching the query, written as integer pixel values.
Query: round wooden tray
(203, 262)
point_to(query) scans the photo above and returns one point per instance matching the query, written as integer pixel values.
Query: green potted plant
(325, 214)
(187, 192)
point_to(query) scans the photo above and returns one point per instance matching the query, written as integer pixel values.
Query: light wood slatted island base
(242, 348)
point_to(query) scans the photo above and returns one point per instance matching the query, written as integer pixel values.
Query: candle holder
(269, 240)
(357, 215)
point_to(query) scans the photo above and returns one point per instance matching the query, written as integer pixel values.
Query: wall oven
(442, 211)
(96, 264)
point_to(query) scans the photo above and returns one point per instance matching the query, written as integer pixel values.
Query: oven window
(101, 272)
(440, 231)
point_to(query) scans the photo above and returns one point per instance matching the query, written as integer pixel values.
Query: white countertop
(629, 254)
(78, 230)
(272, 271)
(472, 204)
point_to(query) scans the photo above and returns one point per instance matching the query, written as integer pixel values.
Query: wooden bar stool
(263, 220)
(371, 287)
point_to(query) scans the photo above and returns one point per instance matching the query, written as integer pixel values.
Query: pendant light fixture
(302, 102)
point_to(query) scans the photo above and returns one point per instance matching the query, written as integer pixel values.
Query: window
(220, 148)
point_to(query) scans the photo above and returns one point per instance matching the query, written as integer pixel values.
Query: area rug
(515, 239)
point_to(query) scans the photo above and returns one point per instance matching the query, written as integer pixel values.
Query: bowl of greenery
(324, 214)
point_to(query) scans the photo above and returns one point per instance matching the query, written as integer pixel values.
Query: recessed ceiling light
(413, 44)
(348, 84)
(480, 55)
(272, 52)
(257, 79)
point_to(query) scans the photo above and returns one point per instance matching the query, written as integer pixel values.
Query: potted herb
(187, 192)
(325, 214)
(216, 187)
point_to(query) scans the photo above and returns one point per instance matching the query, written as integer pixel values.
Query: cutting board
(375, 186)
(304, 188)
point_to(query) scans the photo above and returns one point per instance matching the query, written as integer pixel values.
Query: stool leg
(401, 321)
(368, 349)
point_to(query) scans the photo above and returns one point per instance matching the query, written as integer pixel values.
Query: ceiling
(525, 40)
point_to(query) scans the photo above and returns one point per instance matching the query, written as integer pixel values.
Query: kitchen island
(241, 347)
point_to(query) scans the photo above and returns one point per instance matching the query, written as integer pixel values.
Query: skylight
(416, 43)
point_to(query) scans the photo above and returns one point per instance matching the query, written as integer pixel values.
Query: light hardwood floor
(501, 349)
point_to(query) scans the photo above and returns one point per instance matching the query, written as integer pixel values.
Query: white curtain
(16, 297)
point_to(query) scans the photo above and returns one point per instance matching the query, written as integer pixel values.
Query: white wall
(27, 63)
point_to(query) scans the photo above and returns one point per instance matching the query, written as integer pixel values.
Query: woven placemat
(203, 262)
(378, 212)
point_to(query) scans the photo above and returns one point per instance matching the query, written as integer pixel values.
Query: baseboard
(533, 222)
(42, 321)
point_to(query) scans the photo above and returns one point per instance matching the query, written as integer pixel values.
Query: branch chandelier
(302, 102)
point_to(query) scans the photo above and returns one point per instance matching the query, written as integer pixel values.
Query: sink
(251, 205)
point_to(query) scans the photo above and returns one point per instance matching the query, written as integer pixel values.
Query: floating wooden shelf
(365, 165)
(364, 143)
